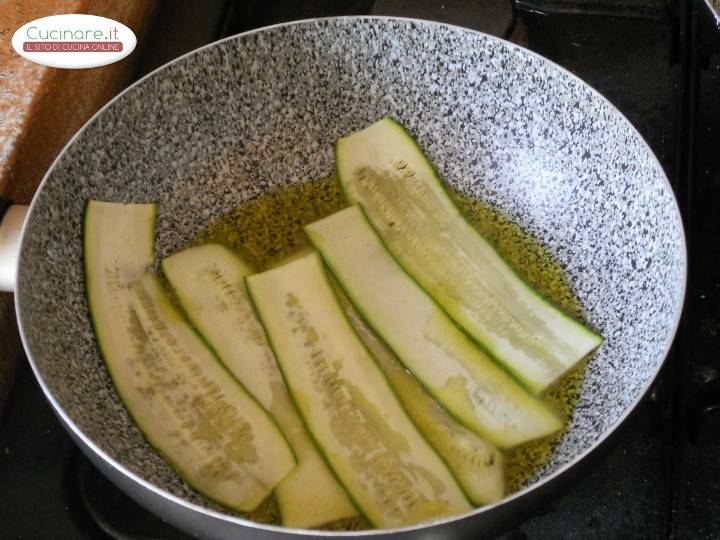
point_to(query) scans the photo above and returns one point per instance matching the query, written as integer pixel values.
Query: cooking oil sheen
(268, 229)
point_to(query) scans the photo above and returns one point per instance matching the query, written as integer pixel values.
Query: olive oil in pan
(268, 228)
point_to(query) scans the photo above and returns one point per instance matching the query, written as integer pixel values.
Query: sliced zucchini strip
(208, 281)
(188, 406)
(451, 367)
(390, 471)
(382, 168)
(476, 464)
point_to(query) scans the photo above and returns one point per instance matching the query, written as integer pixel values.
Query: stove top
(658, 477)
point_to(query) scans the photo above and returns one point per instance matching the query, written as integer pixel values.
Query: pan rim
(78, 434)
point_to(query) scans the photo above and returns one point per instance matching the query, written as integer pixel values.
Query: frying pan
(261, 110)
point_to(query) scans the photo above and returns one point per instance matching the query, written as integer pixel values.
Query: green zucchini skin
(394, 477)
(468, 384)
(192, 411)
(382, 168)
(208, 281)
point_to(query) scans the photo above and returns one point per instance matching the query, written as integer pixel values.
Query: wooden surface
(41, 108)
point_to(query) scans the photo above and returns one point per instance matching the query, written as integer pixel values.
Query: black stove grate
(113, 513)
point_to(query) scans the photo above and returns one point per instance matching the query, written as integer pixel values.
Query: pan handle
(12, 217)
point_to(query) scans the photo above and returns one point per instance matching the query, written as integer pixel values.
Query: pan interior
(262, 110)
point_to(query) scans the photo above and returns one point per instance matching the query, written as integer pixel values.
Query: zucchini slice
(451, 367)
(382, 168)
(208, 281)
(191, 410)
(390, 471)
(476, 464)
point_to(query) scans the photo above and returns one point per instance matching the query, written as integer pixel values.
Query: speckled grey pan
(714, 6)
(262, 109)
